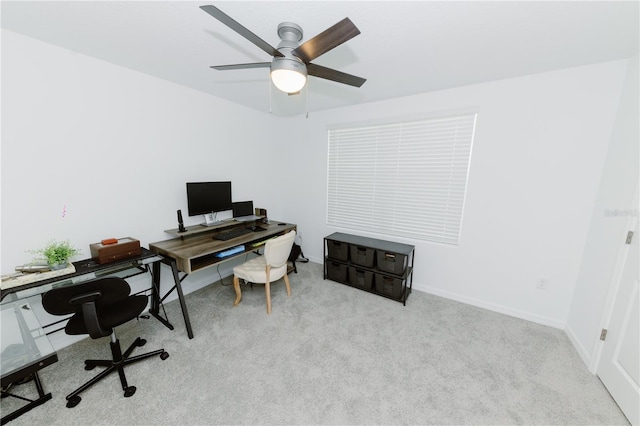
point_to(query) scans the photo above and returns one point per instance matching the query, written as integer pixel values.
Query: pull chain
(270, 96)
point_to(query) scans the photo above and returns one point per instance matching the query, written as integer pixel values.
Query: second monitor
(243, 211)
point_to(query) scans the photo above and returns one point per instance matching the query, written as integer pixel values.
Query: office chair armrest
(83, 298)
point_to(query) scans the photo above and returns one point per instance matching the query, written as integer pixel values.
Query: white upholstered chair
(267, 268)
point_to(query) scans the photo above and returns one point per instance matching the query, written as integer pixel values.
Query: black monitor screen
(242, 208)
(208, 197)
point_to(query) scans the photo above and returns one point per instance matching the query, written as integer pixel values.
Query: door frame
(614, 284)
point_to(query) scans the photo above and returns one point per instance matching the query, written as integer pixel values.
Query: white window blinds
(405, 179)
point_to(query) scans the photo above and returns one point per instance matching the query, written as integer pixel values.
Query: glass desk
(89, 269)
(25, 349)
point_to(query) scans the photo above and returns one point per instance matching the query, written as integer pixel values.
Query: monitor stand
(211, 220)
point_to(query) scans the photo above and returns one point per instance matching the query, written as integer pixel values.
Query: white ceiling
(404, 47)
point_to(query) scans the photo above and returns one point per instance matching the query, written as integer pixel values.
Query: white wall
(111, 149)
(607, 229)
(114, 148)
(540, 146)
(91, 150)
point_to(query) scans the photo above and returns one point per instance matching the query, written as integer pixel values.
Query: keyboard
(232, 233)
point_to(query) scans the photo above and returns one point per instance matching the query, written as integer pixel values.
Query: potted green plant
(58, 253)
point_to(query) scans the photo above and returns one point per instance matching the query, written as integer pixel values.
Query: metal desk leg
(32, 403)
(183, 304)
(156, 299)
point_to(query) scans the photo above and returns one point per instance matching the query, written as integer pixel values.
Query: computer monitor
(208, 197)
(243, 211)
(242, 208)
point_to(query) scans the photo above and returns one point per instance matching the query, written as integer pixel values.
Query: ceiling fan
(291, 61)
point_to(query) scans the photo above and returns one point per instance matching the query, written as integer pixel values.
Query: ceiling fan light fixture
(290, 59)
(288, 75)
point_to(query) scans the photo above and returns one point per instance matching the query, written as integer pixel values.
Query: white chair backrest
(277, 250)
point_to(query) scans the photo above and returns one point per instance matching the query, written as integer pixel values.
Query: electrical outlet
(542, 283)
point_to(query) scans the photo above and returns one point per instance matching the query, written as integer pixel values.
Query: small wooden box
(123, 249)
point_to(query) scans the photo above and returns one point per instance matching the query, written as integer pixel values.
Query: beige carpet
(331, 354)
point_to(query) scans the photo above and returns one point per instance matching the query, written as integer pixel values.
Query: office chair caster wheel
(164, 355)
(141, 342)
(129, 391)
(89, 367)
(73, 401)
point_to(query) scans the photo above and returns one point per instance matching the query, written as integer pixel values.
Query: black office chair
(97, 307)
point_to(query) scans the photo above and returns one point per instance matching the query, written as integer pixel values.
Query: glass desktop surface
(87, 269)
(24, 347)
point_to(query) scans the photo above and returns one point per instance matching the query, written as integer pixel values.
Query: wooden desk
(196, 249)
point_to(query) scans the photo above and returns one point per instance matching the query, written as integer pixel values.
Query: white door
(619, 366)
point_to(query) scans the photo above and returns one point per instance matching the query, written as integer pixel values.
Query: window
(406, 179)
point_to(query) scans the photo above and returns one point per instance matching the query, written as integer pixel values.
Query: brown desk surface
(196, 251)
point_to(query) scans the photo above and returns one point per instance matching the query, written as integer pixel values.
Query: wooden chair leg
(267, 290)
(286, 283)
(267, 287)
(236, 287)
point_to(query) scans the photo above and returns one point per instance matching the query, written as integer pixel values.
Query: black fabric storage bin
(362, 256)
(391, 262)
(389, 286)
(360, 278)
(337, 271)
(338, 250)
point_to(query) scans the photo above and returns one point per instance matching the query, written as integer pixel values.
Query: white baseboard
(585, 355)
(491, 306)
(551, 322)
(580, 349)
(318, 260)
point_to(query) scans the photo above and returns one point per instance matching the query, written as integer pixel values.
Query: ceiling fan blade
(328, 39)
(241, 66)
(331, 74)
(235, 26)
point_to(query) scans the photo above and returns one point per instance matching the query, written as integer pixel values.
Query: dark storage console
(377, 266)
